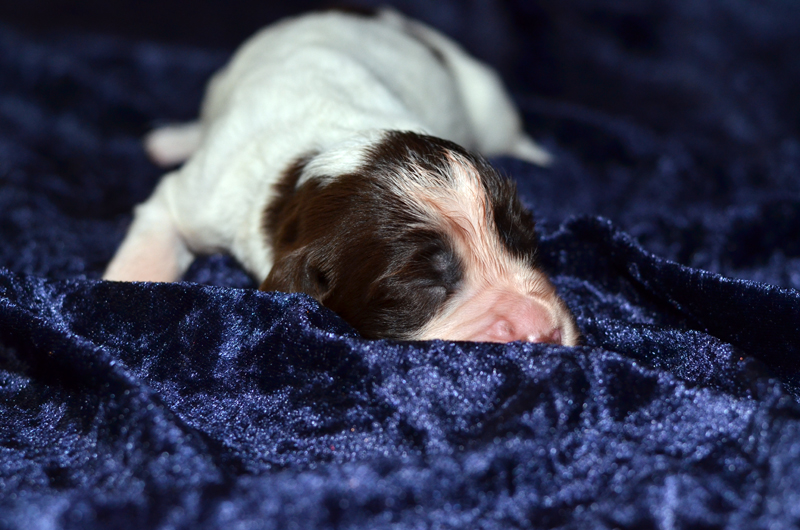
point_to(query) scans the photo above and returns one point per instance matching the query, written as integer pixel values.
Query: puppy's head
(412, 237)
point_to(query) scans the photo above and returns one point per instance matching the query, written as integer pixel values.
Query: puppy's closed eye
(435, 266)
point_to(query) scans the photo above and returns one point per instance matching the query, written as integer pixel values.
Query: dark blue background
(670, 223)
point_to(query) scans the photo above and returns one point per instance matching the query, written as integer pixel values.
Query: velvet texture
(670, 222)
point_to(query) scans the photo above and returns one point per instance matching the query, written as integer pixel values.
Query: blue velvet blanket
(670, 223)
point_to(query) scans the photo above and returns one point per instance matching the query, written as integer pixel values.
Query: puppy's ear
(293, 273)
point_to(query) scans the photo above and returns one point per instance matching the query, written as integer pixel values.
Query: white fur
(327, 83)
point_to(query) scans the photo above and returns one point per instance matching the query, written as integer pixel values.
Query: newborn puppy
(328, 160)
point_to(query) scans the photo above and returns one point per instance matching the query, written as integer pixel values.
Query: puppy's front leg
(153, 249)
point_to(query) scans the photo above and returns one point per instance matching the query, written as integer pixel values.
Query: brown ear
(292, 273)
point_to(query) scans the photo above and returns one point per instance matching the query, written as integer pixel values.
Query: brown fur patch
(360, 249)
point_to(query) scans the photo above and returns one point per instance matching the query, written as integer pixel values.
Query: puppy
(328, 160)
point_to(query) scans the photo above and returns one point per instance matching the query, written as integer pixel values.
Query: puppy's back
(376, 68)
(303, 85)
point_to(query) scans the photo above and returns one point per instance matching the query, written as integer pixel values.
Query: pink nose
(554, 337)
(505, 331)
(519, 319)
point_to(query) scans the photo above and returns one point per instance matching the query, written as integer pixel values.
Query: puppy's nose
(519, 318)
(551, 337)
(505, 331)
